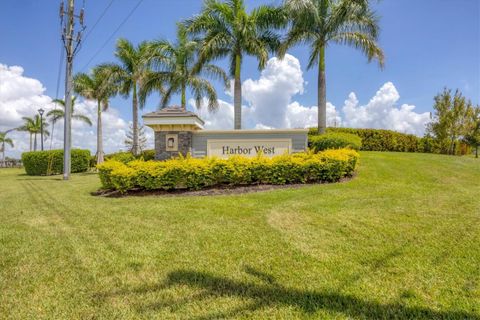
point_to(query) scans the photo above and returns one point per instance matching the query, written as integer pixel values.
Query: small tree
(449, 122)
(472, 137)
(142, 139)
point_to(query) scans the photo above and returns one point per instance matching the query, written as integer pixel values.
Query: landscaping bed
(196, 174)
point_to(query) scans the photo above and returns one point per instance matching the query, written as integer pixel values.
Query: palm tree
(176, 67)
(320, 22)
(58, 114)
(28, 127)
(99, 87)
(4, 141)
(128, 74)
(229, 31)
(34, 127)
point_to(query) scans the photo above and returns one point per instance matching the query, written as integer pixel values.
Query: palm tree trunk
(30, 141)
(35, 142)
(184, 97)
(135, 121)
(99, 134)
(237, 94)
(3, 152)
(322, 93)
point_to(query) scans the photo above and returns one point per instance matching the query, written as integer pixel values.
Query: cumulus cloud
(270, 104)
(269, 101)
(269, 96)
(21, 96)
(381, 112)
(221, 119)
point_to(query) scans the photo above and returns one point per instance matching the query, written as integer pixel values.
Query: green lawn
(401, 240)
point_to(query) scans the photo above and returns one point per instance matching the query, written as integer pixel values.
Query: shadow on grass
(273, 294)
(54, 177)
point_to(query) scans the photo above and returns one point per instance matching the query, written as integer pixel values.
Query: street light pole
(41, 111)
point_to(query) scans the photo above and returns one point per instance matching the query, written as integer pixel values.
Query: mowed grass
(400, 240)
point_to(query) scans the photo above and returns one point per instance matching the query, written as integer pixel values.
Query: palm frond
(82, 118)
(362, 42)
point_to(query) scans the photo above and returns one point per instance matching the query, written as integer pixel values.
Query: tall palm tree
(128, 74)
(320, 22)
(230, 31)
(34, 127)
(177, 68)
(99, 87)
(58, 114)
(3, 142)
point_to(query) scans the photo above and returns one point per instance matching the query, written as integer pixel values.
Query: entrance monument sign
(181, 132)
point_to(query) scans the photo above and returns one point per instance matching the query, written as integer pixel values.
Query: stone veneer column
(184, 144)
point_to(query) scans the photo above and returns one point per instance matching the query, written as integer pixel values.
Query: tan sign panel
(248, 147)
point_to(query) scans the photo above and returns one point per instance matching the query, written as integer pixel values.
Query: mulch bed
(213, 191)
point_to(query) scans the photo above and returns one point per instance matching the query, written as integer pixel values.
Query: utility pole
(71, 44)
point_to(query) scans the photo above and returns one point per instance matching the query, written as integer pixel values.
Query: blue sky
(428, 44)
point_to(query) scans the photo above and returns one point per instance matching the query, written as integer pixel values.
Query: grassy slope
(400, 240)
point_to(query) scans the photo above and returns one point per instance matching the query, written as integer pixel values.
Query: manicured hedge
(40, 163)
(388, 140)
(127, 156)
(190, 173)
(381, 140)
(335, 140)
(124, 157)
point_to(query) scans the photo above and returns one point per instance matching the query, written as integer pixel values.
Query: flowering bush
(195, 174)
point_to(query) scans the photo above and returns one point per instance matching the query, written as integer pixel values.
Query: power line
(59, 75)
(112, 35)
(98, 20)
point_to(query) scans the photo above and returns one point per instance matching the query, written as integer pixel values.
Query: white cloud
(269, 96)
(269, 101)
(381, 113)
(219, 119)
(269, 105)
(21, 96)
(298, 116)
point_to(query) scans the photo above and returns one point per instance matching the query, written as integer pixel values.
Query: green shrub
(40, 163)
(334, 140)
(93, 161)
(381, 140)
(124, 157)
(195, 174)
(148, 155)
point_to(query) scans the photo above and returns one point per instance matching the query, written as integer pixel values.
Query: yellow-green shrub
(195, 174)
(334, 140)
